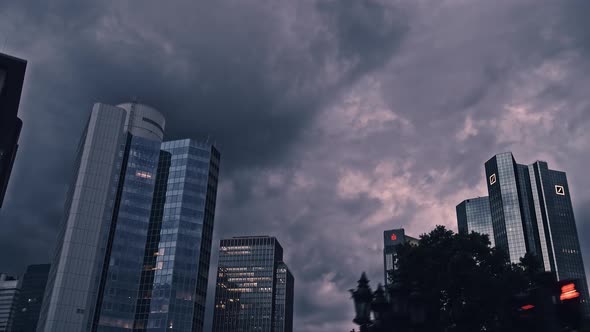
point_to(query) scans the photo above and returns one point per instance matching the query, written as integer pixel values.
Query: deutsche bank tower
(134, 247)
(528, 210)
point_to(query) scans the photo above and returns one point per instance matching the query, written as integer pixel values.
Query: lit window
(144, 175)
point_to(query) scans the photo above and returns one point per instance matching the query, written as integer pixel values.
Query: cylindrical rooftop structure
(144, 121)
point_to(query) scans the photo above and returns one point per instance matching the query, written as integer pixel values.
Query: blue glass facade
(505, 206)
(135, 247)
(179, 247)
(531, 212)
(118, 297)
(473, 215)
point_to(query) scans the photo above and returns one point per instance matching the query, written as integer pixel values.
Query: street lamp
(362, 297)
(401, 309)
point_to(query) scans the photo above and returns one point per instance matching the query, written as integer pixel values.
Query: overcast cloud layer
(336, 119)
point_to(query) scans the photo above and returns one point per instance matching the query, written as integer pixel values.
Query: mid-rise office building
(28, 306)
(391, 239)
(135, 244)
(9, 293)
(254, 290)
(12, 75)
(473, 215)
(531, 212)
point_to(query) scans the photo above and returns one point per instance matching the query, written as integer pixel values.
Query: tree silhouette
(467, 285)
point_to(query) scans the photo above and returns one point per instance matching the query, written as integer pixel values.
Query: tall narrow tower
(98, 261)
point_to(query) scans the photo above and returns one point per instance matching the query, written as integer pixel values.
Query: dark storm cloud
(246, 74)
(336, 119)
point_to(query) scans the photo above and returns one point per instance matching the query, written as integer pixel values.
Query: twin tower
(135, 243)
(528, 210)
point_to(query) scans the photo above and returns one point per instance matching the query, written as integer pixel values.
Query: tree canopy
(466, 284)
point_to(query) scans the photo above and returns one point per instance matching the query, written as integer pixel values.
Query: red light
(527, 307)
(569, 292)
(393, 237)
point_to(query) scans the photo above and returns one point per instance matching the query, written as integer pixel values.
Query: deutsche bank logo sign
(560, 190)
(492, 179)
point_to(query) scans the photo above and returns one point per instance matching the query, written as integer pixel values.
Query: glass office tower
(135, 244)
(89, 222)
(12, 75)
(532, 212)
(179, 247)
(473, 215)
(9, 293)
(122, 269)
(254, 290)
(391, 239)
(505, 206)
(28, 306)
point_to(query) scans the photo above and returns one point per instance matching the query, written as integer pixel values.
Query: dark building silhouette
(135, 245)
(254, 290)
(473, 215)
(285, 288)
(9, 293)
(391, 239)
(531, 212)
(12, 75)
(28, 306)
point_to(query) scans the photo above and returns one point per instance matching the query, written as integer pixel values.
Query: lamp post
(362, 297)
(395, 309)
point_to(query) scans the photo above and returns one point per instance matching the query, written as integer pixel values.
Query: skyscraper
(254, 290)
(135, 244)
(391, 239)
(179, 244)
(12, 75)
(28, 306)
(9, 293)
(531, 212)
(473, 215)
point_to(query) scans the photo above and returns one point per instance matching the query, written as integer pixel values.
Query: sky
(336, 119)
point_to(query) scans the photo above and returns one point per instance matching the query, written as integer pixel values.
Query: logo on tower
(560, 190)
(492, 179)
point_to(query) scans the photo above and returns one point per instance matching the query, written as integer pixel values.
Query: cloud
(335, 119)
